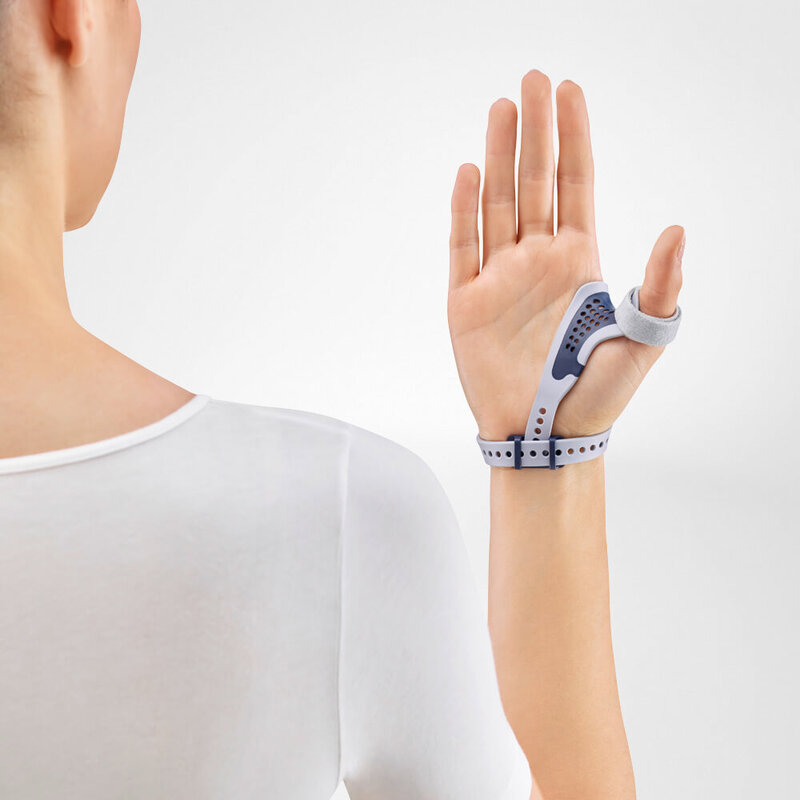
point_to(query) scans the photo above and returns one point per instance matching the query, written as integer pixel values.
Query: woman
(208, 599)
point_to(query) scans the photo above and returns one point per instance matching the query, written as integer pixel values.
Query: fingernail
(679, 253)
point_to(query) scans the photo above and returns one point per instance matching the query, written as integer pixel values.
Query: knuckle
(536, 173)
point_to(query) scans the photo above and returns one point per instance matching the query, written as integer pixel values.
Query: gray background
(276, 233)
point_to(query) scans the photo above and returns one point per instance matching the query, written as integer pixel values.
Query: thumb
(663, 278)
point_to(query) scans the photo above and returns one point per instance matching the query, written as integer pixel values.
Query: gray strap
(550, 453)
(641, 327)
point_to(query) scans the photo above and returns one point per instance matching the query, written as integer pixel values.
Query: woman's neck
(59, 384)
(32, 196)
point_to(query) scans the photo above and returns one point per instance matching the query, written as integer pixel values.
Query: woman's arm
(548, 572)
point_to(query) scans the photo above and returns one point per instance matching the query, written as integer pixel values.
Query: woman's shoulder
(371, 450)
(379, 477)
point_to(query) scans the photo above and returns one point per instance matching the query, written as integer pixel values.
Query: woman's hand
(503, 316)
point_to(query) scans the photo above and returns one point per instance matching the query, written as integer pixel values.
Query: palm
(503, 316)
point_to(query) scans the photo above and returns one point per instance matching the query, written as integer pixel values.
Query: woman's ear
(72, 22)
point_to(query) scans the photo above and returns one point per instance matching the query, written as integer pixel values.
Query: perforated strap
(590, 319)
(553, 453)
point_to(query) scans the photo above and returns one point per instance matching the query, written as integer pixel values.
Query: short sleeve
(419, 704)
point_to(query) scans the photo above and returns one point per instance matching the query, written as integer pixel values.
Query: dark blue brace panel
(596, 312)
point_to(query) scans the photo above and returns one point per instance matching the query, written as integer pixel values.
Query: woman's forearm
(550, 629)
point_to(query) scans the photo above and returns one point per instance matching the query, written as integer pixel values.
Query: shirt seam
(340, 565)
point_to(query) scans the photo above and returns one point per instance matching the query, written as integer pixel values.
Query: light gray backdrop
(276, 233)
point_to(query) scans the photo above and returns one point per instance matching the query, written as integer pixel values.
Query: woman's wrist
(541, 486)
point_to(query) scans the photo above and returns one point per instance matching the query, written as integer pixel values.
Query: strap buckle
(517, 439)
(552, 451)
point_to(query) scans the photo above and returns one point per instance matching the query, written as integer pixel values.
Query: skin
(548, 567)
(67, 67)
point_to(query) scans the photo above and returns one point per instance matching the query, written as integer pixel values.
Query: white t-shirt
(242, 602)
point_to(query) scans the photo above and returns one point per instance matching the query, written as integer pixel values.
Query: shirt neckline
(66, 455)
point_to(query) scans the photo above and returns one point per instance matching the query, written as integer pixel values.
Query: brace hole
(538, 430)
(588, 305)
(558, 452)
(533, 453)
(498, 454)
(540, 420)
(583, 450)
(508, 454)
(591, 447)
(570, 451)
(545, 452)
(542, 410)
(572, 349)
(600, 445)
